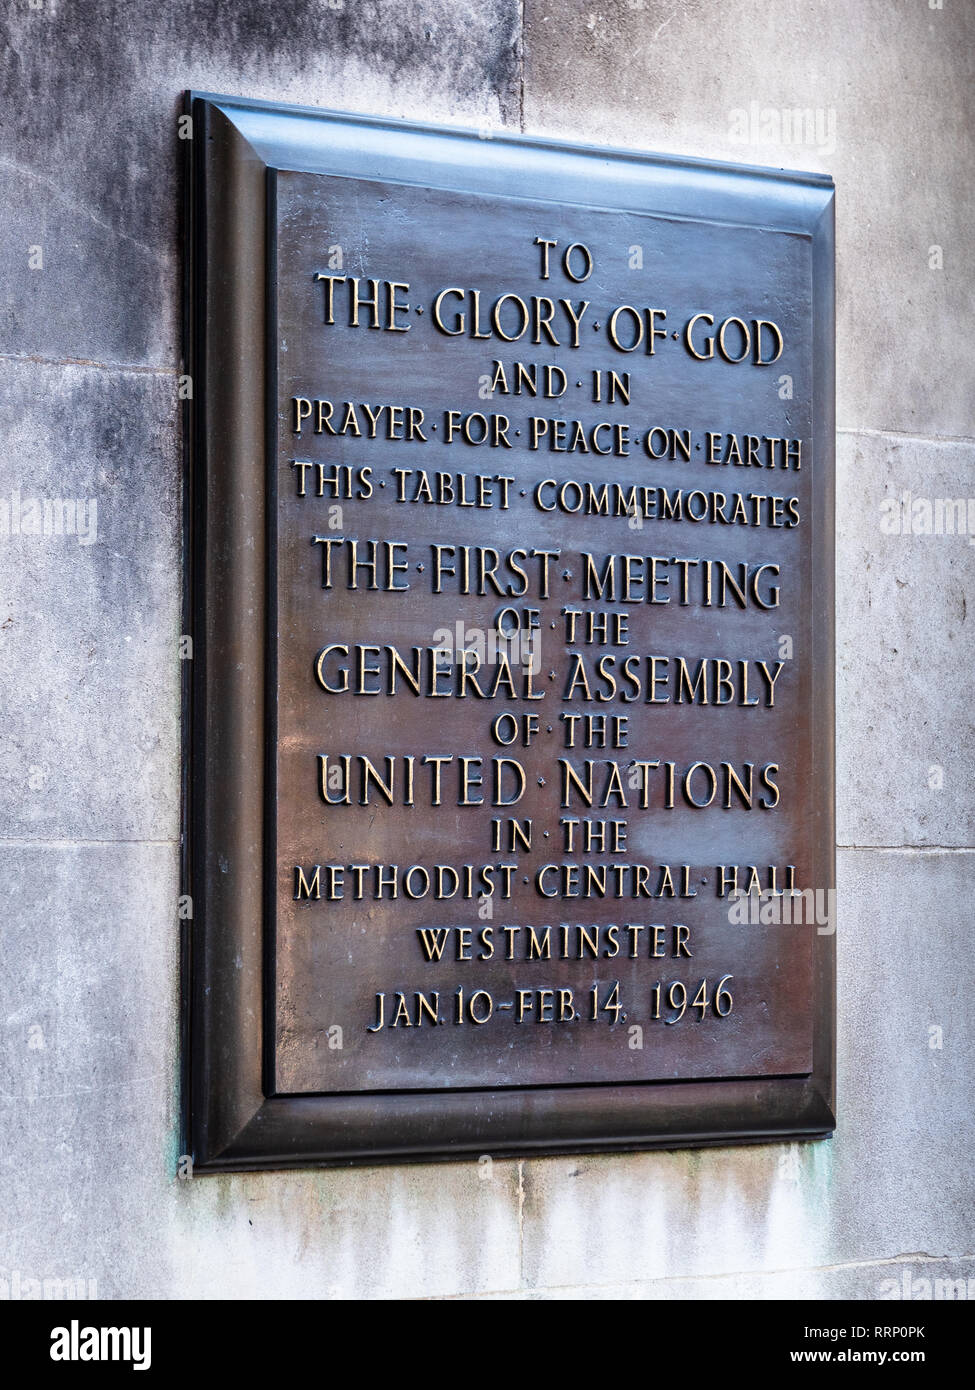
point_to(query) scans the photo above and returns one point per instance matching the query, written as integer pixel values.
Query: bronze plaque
(509, 721)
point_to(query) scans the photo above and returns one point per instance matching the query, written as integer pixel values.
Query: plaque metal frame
(230, 1121)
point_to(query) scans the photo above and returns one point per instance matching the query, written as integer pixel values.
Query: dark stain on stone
(90, 96)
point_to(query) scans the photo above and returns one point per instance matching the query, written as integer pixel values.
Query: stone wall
(89, 628)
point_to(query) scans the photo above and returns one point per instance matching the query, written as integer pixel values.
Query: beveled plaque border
(230, 1120)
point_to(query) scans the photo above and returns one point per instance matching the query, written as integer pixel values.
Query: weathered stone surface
(888, 88)
(90, 1072)
(914, 1279)
(91, 93)
(687, 1213)
(349, 1234)
(905, 738)
(89, 621)
(904, 1152)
